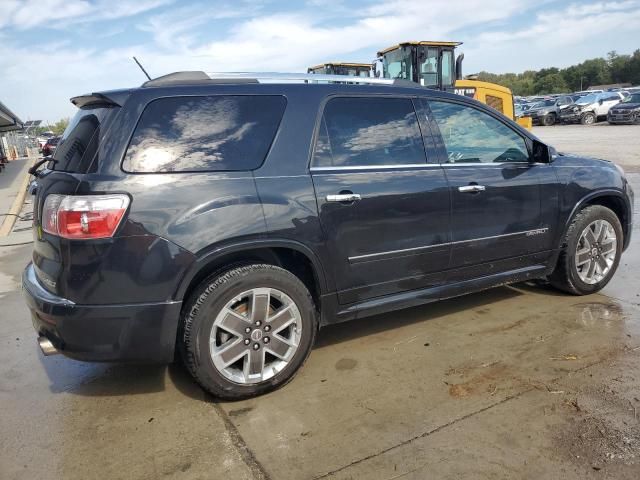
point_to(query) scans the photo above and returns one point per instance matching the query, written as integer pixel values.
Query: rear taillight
(83, 216)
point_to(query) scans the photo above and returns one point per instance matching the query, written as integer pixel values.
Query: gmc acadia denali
(228, 219)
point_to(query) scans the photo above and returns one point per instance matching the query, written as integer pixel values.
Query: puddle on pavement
(601, 314)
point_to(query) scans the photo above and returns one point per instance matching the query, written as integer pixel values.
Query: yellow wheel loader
(342, 68)
(432, 65)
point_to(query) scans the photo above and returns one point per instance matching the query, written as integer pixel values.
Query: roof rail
(198, 77)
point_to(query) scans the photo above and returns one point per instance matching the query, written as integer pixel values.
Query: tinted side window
(472, 136)
(368, 132)
(78, 145)
(214, 133)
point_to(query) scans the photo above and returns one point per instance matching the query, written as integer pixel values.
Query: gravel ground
(619, 143)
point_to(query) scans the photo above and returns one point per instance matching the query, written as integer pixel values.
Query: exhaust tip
(47, 347)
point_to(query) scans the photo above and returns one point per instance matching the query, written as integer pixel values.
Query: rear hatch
(75, 158)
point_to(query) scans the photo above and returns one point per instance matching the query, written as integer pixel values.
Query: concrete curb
(16, 207)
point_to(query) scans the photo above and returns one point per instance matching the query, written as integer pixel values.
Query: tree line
(614, 68)
(57, 128)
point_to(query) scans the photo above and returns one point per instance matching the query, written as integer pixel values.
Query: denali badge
(539, 231)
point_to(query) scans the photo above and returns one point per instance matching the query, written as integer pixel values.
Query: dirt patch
(480, 379)
(503, 328)
(593, 442)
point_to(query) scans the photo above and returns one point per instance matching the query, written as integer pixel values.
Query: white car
(591, 108)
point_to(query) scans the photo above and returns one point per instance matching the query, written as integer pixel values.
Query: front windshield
(353, 71)
(397, 64)
(428, 66)
(635, 98)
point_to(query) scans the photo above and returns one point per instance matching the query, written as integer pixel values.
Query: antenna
(141, 67)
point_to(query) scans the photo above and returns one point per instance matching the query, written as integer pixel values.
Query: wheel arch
(614, 200)
(294, 256)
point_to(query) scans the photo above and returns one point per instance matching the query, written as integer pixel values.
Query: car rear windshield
(78, 146)
(208, 133)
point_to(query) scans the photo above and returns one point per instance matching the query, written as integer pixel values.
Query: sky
(51, 50)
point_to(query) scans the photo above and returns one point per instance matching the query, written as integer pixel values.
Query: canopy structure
(8, 120)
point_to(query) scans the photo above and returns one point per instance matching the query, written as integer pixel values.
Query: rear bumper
(122, 332)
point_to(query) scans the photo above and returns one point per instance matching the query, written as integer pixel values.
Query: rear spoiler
(115, 98)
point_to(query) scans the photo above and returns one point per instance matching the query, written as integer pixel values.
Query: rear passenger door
(608, 101)
(383, 207)
(497, 220)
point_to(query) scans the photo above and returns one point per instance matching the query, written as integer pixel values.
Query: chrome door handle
(344, 197)
(471, 188)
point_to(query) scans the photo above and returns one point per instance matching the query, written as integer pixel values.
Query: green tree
(596, 71)
(550, 83)
(60, 126)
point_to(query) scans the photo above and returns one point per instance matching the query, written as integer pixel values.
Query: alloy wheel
(596, 251)
(255, 335)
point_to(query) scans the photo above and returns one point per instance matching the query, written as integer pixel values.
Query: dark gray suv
(548, 112)
(230, 218)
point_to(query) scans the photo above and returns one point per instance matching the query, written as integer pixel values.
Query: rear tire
(588, 118)
(589, 256)
(247, 331)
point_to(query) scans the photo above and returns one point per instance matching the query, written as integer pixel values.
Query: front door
(496, 216)
(383, 208)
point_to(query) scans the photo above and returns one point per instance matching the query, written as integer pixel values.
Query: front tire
(590, 252)
(548, 120)
(588, 118)
(248, 331)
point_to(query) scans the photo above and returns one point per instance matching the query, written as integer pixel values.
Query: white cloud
(27, 14)
(174, 29)
(559, 38)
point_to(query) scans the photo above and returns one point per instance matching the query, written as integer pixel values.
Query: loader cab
(342, 68)
(431, 64)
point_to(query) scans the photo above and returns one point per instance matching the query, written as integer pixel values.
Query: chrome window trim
(420, 165)
(393, 253)
(476, 164)
(373, 167)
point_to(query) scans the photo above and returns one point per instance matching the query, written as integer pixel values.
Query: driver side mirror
(542, 153)
(600, 102)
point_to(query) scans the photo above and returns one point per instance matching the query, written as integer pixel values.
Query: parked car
(230, 219)
(587, 92)
(627, 111)
(50, 145)
(547, 112)
(591, 108)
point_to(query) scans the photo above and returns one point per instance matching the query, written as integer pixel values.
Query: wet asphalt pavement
(514, 382)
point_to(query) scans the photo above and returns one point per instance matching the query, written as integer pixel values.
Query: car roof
(275, 83)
